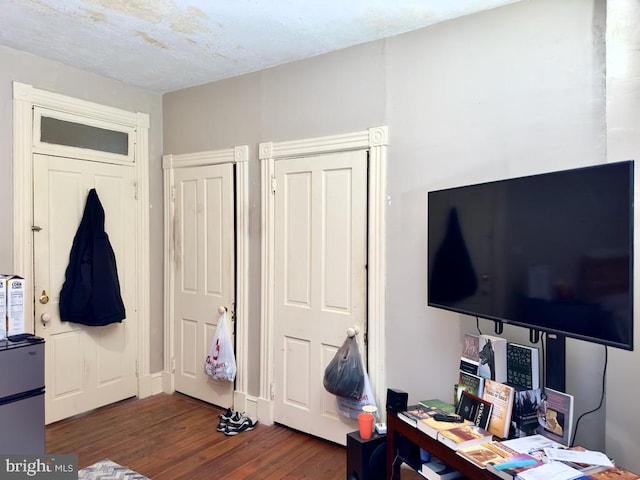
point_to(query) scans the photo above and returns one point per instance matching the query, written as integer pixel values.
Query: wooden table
(397, 429)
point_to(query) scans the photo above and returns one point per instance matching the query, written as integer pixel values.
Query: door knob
(44, 298)
(45, 318)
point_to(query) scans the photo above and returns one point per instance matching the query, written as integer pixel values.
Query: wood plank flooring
(173, 437)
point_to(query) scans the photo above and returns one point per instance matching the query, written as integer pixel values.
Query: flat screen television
(550, 252)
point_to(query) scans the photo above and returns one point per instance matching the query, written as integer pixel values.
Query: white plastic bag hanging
(221, 361)
(351, 407)
(344, 376)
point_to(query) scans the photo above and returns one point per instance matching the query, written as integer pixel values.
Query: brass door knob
(44, 298)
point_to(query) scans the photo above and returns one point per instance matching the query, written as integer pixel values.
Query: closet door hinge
(274, 184)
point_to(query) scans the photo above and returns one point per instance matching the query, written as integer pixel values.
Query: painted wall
(56, 77)
(623, 142)
(509, 92)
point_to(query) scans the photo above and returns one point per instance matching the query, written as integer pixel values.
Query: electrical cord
(393, 465)
(602, 395)
(544, 357)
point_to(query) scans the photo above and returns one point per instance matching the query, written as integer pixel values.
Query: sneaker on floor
(234, 420)
(244, 425)
(224, 419)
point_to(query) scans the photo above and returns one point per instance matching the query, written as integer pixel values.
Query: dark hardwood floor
(170, 437)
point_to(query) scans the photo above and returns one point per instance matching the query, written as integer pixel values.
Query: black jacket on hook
(90, 294)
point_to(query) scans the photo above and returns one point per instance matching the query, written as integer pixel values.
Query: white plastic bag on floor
(221, 360)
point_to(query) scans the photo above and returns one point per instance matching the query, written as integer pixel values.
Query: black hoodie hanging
(90, 294)
(453, 276)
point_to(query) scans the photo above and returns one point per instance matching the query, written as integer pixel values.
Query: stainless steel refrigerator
(22, 396)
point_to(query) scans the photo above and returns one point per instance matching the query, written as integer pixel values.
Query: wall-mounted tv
(551, 252)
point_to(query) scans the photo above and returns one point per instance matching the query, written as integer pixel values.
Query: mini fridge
(22, 396)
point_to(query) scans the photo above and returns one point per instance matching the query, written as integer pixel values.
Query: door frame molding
(239, 156)
(375, 141)
(25, 98)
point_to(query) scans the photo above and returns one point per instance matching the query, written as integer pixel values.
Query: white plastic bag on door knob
(221, 360)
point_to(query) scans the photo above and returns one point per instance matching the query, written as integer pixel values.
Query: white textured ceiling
(166, 45)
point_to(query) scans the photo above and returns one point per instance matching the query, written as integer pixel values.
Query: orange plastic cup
(365, 425)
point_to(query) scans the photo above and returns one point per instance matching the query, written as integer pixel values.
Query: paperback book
(492, 356)
(525, 412)
(469, 359)
(437, 470)
(474, 408)
(431, 426)
(532, 444)
(437, 405)
(464, 436)
(615, 473)
(510, 467)
(471, 383)
(555, 415)
(485, 453)
(523, 366)
(553, 470)
(413, 414)
(502, 397)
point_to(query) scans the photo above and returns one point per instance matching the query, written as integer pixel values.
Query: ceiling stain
(189, 20)
(150, 40)
(149, 11)
(97, 16)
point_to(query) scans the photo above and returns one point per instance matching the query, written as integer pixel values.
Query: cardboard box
(15, 287)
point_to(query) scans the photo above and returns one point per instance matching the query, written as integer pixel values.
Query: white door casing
(192, 317)
(86, 367)
(26, 144)
(374, 142)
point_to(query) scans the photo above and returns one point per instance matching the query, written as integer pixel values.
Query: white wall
(623, 142)
(510, 92)
(58, 78)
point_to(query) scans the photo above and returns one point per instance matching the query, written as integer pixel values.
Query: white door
(204, 237)
(86, 367)
(319, 283)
